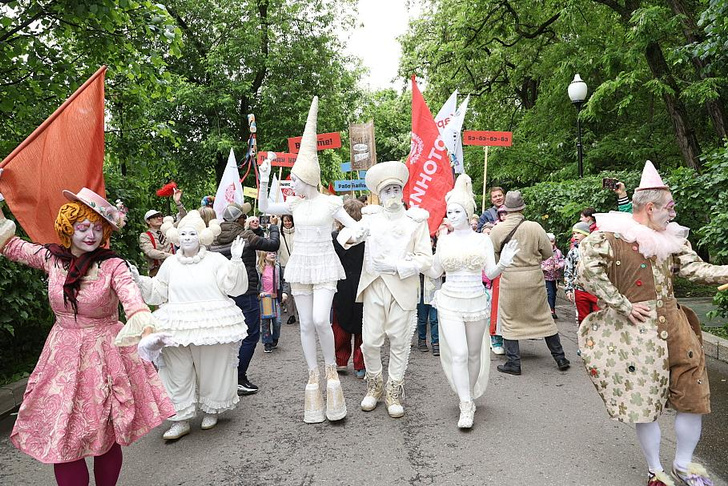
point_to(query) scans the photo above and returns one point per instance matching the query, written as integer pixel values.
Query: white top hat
(385, 173)
(306, 166)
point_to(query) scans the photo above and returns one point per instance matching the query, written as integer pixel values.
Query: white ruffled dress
(193, 293)
(463, 295)
(313, 259)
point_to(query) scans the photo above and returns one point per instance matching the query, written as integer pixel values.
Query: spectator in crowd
(153, 243)
(347, 313)
(523, 307)
(426, 312)
(272, 295)
(288, 233)
(644, 350)
(587, 216)
(234, 217)
(497, 197)
(552, 268)
(585, 302)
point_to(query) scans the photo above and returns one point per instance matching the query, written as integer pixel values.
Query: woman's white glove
(135, 275)
(236, 249)
(508, 252)
(150, 346)
(264, 168)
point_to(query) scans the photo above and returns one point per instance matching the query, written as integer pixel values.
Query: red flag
(65, 152)
(430, 175)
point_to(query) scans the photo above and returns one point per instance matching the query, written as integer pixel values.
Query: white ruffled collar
(651, 243)
(184, 260)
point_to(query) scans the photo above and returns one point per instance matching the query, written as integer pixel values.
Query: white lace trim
(651, 243)
(202, 323)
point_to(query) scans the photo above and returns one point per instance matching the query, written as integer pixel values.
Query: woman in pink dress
(86, 397)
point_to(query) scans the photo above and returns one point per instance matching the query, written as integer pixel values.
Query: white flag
(444, 116)
(452, 137)
(230, 190)
(275, 195)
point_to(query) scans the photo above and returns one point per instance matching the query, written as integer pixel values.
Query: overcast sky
(374, 40)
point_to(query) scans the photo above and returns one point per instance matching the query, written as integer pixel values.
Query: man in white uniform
(397, 251)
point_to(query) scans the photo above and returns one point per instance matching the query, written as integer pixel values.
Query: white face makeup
(254, 223)
(86, 237)
(660, 216)
(391, 196)
(189, 241)
(299, 187)
(457, 216)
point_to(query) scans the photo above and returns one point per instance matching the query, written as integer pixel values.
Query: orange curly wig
(72, 212)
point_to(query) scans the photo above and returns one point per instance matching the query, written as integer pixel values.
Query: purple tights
(106, 470)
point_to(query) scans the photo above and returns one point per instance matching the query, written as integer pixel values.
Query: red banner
(491, 139)
(430, 175)
(324, 141)
(282, 159)
(65, 152)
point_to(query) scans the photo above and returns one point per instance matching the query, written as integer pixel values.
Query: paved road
(544, 427)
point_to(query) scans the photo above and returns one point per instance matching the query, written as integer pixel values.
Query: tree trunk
(693, 35)
(220, 163)
(686, 139)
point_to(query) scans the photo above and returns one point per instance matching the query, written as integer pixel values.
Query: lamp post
(577, 94)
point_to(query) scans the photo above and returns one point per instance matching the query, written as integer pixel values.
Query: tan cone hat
(306, 166)
(462, 194)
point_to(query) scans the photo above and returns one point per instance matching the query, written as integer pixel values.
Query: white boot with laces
(375, 386)
(467, 413)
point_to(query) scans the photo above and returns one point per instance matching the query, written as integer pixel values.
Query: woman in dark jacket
(347, 314)
(232, 226)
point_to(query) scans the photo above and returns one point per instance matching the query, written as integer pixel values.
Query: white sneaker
(208, 421)
(177, 430)
(498, 350)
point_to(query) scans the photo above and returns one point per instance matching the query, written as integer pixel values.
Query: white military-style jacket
(402, 237)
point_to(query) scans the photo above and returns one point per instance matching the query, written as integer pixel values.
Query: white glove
(236, 249)
(385, 265)
(264, 170)
(508, 252)
(150, 347)
(360, 232)
(134, 273)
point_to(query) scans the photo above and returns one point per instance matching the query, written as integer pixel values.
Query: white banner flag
(275, 195)
(444, 116)
(452, 137)
(230, 190)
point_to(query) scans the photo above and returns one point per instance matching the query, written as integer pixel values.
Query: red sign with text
(282, 159)
(324, 141)
(491, 139)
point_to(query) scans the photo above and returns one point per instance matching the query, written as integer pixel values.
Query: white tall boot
(313, 410)
(375, 386)
(335, 403)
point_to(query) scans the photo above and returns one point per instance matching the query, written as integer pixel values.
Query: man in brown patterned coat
(643, 350)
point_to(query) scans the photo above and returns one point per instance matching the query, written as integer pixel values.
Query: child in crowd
(272, 295)
(587, 216)
(552, 268)
(585, 302)
(496, 340)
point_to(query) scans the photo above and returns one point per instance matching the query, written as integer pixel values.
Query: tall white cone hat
(306, 166)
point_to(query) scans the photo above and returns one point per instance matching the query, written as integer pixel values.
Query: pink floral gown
(85, 393)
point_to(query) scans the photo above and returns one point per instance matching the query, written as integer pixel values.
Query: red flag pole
(50, 119)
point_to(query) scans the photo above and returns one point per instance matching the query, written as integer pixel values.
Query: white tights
(688, 427)
(465, 341)
(314, 311)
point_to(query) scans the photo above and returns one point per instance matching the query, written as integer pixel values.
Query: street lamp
(577, 94)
